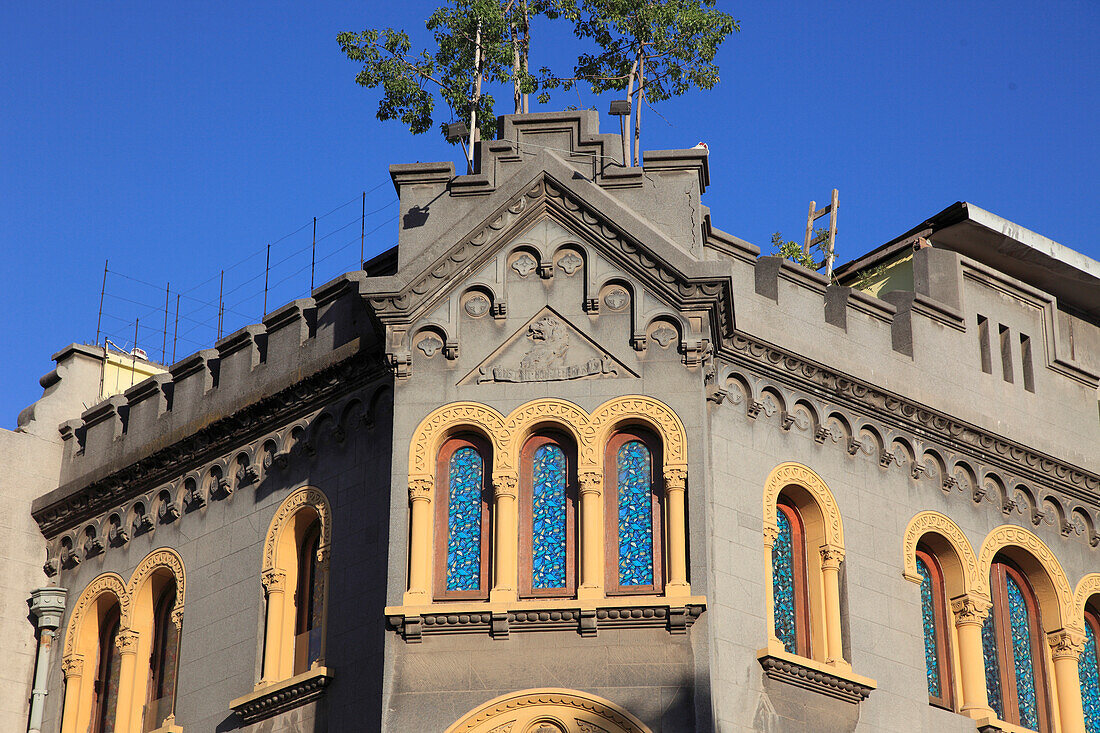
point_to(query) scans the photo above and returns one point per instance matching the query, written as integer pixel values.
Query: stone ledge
(281, 696)
(585, 617)
(815, 676)
(995, 725)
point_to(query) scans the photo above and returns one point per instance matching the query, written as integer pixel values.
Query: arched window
(462, 521)
(933, 605)
(547, 524)
(634, 513)
(789, 581)
(1089, 670)
(162, 661)
(1013, 649)
(105, 683)
(307, 601)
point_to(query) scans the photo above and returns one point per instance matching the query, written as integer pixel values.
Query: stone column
(675, 488)
(72, 666)
(1065, 648)
(506, 544)
(275, 587)
(831, 557)
(970, 612)
(592, 532)
(771, 534)
(127, 643)
(322, 570)
(420, 542)
(47, 606)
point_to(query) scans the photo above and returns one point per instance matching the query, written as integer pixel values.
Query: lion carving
(550, 342)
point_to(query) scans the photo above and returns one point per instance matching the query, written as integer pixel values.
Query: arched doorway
(548, 710)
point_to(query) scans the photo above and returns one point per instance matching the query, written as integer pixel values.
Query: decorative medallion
(664, 336)
(476, 306)
(430, 345)
(616, 299)
(525, 264)
(570, 263)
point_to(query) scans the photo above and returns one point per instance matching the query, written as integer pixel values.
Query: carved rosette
(831, 557)
(274, 581)
(505, 485)
(970, 609)
(420, 489)
(1066, 644)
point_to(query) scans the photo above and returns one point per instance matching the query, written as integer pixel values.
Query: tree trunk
(630, 101)
(517, 95)
(526, 45)
(638, 114)
(475, 100)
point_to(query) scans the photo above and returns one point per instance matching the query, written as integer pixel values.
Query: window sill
(585, 616)
(995, 725)
(281, 696)
(825, 679)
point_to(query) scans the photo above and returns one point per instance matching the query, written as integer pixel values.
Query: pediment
(548, 348)
(560, 203)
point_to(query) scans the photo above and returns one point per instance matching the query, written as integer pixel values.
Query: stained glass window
(548, 518)
(466, 477)
(1021, 655)
(783, 597)
(992, 667)
(635, 511)
(1089, 670)
(928, 621)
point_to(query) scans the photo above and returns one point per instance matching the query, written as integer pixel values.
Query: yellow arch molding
(1052, 584)
(105, 583)
(934, 522)
(567, 711)
(636, 409)
(548, 412)
(1087, 587)
(81, 644)
(278, 574)
(442, 422)
(791, 473)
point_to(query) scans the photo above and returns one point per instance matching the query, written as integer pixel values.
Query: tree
(654, 49)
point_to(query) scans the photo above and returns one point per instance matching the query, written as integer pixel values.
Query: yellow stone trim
(1062, 601)
(525, 707)
(507, 435)
(934, 522)
(791, 473)
(1087, 587)
(280, 566)
(83, 643)
(544, 604)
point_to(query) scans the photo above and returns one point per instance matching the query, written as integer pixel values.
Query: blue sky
(178, 139)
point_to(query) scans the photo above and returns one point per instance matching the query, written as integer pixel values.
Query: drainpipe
(47, 606)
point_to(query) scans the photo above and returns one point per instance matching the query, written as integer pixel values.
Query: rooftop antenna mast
(829, 236)
(102, 290)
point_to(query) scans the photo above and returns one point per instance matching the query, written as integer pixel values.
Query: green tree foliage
(792, 250)
(653, 49)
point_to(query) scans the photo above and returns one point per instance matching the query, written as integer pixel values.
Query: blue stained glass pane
(992, 667)
(1021, 656)
(548, 518)
(464, 520)
(1089, 670)
(635, 515)
(783, 585)
(928, 619)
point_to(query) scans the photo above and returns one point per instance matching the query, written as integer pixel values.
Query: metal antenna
(313, 256)
(362, 228)
(164, 342)
(102, 290)
(176, 328)
(221, 305)
(267, 272)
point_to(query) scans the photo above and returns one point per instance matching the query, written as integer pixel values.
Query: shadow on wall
(783, 709)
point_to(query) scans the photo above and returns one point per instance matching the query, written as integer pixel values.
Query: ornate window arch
(939, 558)
(1087, 607)
(1033, 615)
(548, 709)
(91, 638)
(548, 510)
(797, 487)
(295, 579)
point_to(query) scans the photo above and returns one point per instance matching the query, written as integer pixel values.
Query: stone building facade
(569, 458)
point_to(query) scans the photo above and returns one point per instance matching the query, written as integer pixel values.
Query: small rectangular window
(1025, 357)
(983, 344)
(1006, 353)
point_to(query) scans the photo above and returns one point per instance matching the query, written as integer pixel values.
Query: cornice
(898, 412)
(83, 499)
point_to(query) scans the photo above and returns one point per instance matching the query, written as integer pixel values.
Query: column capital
(970, 608)
(274, 580)
(771, 534)
(177, 618)
(591, 482)
(675, 478)
(505, 485)
(831, 557)
(127, 641)
(420, 489)
(72, 665)
(1065, 643)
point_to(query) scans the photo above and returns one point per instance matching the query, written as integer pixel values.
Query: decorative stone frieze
(816, 677)
(282, 696)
